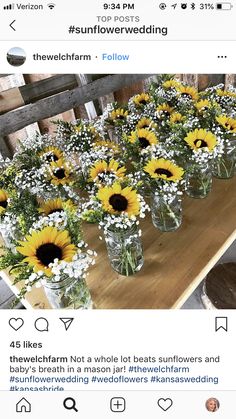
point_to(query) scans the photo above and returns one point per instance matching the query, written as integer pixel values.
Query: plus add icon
(117, 404)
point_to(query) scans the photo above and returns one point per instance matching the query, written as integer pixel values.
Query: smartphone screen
(117, 209)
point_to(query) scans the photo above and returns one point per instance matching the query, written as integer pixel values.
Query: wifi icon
(51, 5)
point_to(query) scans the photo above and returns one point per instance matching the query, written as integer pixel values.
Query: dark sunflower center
(46, 253)
(56, 210)
(51, 157)
(118, 202)
(120, 117)
(161, 171)
(202, 143)
(59, 173)
(3, 204)
(143, 102)
(143, 142)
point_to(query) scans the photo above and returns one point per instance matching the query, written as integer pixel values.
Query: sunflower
(228, 123)
(60, 173)
(165, 109)
(176, 117)
(144, 137)
(142, 99)
(201, 138)
(145, 123)
(169, 84)
(51, 154)
(164, 169)
(56, 205)
(42, 247)
(221, 92)
(202, 105)
(188, 92)
(3, 201)
(116, 200)
(101, 167)
(118, 114)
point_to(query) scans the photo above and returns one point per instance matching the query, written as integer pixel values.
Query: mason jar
(198, 180)
(224, 166)
(166, 212)
(125, 250)
(71, 293)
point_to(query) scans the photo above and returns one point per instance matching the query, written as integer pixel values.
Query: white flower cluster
(77, 268)
(38, 142)
(168, 191)
(56, 219)
(35, 180)
(161, 151)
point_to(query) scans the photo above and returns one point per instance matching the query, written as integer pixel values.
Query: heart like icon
(164, 404)
(16, 324)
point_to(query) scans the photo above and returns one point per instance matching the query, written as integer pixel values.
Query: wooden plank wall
(29, 103)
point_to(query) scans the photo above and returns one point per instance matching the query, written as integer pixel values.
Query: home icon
(23, 406)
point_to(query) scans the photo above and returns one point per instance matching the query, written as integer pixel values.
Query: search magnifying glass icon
(70, 404)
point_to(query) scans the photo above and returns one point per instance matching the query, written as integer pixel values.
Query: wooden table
(175, 262)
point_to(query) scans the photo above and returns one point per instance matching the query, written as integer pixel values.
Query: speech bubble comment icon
(41, 324)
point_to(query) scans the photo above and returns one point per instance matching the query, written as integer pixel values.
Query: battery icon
(224, 6)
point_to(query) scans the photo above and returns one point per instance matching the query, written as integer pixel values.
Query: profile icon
(212, 404)
(16, 56)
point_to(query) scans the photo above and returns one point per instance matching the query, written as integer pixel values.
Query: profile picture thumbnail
(212, 404)
(16, 56)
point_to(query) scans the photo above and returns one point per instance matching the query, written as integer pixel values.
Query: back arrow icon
(12, 24)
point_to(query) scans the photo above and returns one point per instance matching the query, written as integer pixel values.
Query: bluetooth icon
(193, 6)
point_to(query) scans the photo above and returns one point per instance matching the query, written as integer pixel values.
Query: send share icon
(67, 321)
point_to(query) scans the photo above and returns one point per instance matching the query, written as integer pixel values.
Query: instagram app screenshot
(117, 209)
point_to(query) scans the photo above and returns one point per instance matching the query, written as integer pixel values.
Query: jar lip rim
(61, 283)
(121, 231)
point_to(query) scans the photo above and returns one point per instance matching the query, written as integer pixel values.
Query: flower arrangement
(118, 208)
(166, 181)
(44, 169)
(225, 129)
(53, 254)
(226, 98)
(81, 136)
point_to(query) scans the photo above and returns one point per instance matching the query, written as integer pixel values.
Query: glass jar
(166, 212)
(198, 180)
(70, 293)
(224, 166)
(125, 250)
